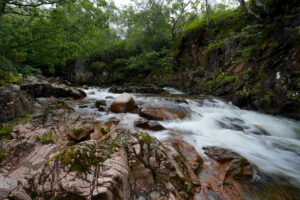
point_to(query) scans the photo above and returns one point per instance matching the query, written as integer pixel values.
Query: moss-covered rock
(120, 166)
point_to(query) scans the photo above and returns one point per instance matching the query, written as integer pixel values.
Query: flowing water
(270, 143)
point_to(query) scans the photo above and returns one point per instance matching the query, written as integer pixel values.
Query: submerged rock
(238, 166)
(99, 103)
(148, 125)
(123, 104)
(160, 113)
(44, 89)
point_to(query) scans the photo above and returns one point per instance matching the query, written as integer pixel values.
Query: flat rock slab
(44, 89)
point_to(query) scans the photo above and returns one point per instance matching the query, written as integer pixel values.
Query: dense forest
(154, 99)
(48, 36)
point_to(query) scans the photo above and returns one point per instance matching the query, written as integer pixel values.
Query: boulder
(103, 170)
(148, 125)
(160, 113)
(220, 154)
(99, 103)
(80, 131)
(44, 89)
(13, 103)
(238, 166)
(123, 104)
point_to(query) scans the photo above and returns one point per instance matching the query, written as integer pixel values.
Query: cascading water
(270, 143)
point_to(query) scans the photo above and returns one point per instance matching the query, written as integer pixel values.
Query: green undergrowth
(7, 129)
(225, 78)
(2, 156)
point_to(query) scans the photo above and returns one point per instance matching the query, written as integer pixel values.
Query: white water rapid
(270, 143)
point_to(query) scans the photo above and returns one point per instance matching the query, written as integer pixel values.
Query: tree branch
(36, 40)
(245, 6)
(18, 13)
(32, 5)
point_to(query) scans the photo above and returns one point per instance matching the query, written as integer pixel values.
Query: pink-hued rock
(160, 113)
(123, 104)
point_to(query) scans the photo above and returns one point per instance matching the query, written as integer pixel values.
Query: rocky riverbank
(51, 150)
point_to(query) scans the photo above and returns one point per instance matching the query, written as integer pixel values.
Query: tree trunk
(207, 12)
(250, 12)
(2, 6)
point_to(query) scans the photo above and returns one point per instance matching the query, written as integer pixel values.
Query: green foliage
(194, 25)
(225, 79)
(7, 77)
(251, 38)
(48, 138)
(50, 37)
(215, 45)
(5, 132)
(2, 156)
(248, 72)
(98, 66)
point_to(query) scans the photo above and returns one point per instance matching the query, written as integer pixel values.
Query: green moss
(55, 157)
(248, 72)
(114, 144)
(225, 79)
(2, 156)
(5, 132)
(36, 138)
(147, 138)
(209, 85)
(68, 156)
(48, 138)
(7, 77)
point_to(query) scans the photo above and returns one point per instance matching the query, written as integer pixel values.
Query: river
(270, 143)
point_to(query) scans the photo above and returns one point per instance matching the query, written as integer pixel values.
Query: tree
(256, 3)
(49, 37)
(25, 8)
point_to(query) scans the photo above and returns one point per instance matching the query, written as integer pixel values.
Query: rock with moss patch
(103, 170)
(80, 131)
(13, 103)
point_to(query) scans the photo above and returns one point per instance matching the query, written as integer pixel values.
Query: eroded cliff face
(269, 82)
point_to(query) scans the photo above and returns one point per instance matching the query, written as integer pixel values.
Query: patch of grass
(5, 132)
(48, 138)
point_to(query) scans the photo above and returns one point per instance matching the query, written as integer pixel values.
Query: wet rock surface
(146, 89)
(148, 125)
(160, 113)
(45, 89)
(58, 153)
(123, 104)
